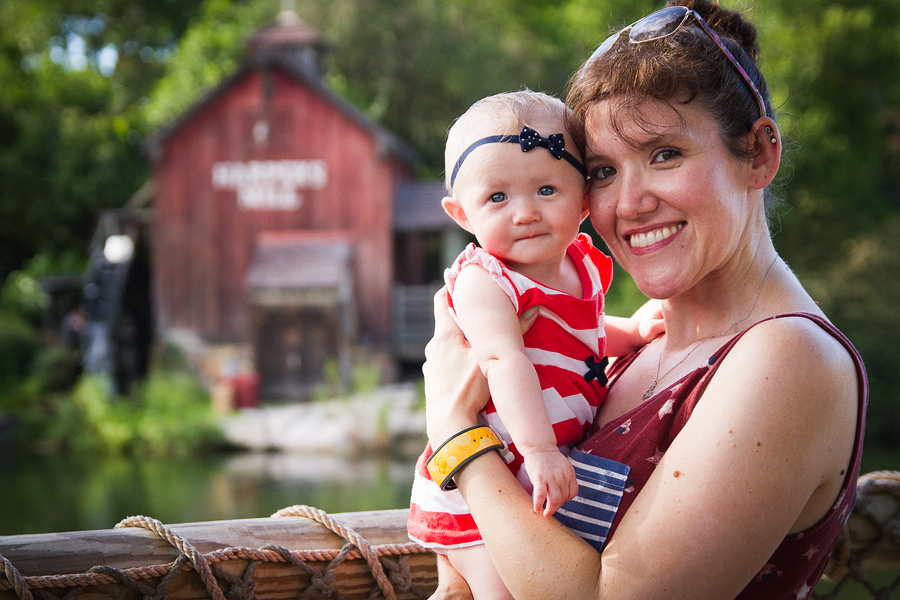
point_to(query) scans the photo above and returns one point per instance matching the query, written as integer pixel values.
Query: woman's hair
(499, 114)
(677, 69)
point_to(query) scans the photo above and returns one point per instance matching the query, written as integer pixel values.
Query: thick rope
(198, 560)
(225, 554)
(18, 582)
(348, 534)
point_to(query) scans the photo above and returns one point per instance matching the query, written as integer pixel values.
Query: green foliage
(68, 133)
(210, 50)
(169, 414)
(89, 419)
(175, 415)
(22, 295)
(18, 347)
(365, 377)
(56, 368)
(859, 293)
(832, 67)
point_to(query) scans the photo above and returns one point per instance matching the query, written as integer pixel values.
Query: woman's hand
(455, 388)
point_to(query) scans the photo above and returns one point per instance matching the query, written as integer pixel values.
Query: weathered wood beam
(76, 552)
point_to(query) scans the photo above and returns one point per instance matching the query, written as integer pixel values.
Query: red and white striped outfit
(567, 332)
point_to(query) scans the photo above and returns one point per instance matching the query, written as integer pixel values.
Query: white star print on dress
(666, 408)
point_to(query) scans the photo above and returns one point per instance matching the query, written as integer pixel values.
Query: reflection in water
(42, 494)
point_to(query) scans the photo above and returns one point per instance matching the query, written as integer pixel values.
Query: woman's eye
(666, 155)
(497, 197)
(601, 173)
(546, 190)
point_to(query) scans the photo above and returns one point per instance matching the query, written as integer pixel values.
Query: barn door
(293, 346)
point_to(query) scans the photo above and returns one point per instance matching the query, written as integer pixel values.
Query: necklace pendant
(649, 391)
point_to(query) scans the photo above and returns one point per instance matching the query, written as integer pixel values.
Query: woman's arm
(763, 455)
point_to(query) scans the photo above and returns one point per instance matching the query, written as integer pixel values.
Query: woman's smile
(650, 238)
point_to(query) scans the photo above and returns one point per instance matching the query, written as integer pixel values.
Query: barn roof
(292, 268)
(276, 46)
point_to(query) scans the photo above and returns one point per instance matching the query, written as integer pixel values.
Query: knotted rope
(13, 576)
(348, 534)
(197, 560)
(321, 581)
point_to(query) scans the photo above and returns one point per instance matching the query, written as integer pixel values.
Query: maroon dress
(640, 437)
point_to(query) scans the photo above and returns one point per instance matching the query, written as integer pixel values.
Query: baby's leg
(475, 565)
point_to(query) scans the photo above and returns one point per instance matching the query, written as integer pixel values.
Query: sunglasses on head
(666, 22)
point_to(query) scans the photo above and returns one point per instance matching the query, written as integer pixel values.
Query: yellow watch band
(458, 451)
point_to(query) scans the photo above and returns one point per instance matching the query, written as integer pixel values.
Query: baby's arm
(489, 321)
(624, 335)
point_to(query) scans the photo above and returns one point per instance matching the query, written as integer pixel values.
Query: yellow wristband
(458, 451)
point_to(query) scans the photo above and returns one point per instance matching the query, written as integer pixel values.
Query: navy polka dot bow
(530, 139)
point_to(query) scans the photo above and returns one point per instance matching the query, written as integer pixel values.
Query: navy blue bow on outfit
(528, 139)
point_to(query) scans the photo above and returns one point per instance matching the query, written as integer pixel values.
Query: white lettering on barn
(270, 184)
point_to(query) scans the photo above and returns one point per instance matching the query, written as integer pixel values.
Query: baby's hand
(553, 478)
(650, 329)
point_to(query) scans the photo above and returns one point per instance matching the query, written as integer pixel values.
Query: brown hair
(684, 67)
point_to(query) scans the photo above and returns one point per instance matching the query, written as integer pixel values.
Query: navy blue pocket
(601, 482)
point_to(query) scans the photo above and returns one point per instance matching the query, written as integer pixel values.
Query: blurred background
(211, 207)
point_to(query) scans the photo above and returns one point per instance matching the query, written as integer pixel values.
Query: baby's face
(523, 207)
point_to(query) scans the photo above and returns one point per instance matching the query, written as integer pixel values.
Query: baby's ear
(453, 208)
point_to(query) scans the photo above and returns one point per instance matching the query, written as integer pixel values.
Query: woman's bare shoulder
(796, 343)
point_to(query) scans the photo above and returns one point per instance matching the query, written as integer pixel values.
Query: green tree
(70, 125)
(833, 67)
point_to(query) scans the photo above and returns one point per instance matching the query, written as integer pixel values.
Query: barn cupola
(288, 39)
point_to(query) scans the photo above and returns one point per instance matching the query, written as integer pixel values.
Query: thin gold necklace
(698, 343)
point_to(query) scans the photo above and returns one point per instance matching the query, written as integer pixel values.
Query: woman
(742, 425)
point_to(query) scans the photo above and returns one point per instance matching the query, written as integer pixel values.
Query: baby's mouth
(648, 238)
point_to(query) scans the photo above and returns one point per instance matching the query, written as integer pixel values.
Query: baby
(524, 197)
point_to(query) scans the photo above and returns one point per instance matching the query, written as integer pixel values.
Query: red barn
(274, 206)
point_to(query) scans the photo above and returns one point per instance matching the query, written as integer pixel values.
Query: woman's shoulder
(797, 368)
(797, 340)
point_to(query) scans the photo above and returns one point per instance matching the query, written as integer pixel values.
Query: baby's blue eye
(497, 197)
(547, 190)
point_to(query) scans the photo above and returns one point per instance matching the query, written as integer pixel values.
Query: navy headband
(528, 139)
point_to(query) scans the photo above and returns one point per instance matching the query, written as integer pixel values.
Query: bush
(19, 342)
(91, 418)
(176, 415)
(861, 295)
(56, 369)
(21, 294)
(170, 413)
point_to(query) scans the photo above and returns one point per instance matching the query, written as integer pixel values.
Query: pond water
(42, 494)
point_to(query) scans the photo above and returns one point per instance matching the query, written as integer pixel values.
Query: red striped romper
(566, 339)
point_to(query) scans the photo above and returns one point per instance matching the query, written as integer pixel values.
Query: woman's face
(672, 203)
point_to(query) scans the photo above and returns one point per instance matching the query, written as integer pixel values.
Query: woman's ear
(767, 141)
(453, 208)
